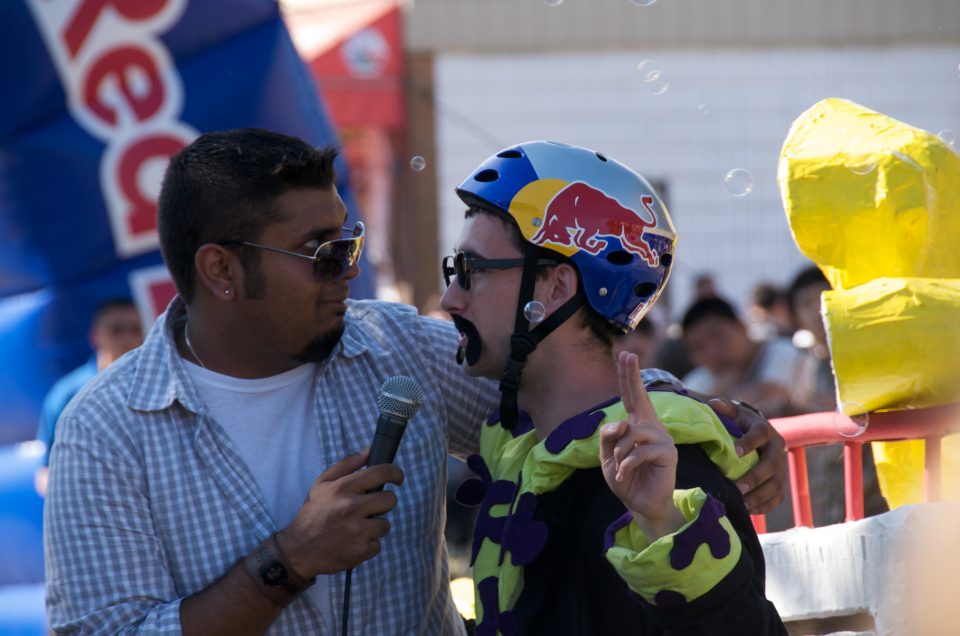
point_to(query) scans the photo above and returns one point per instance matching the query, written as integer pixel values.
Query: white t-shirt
(273, 425)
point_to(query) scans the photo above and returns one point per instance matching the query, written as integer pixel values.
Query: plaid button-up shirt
(149, 501)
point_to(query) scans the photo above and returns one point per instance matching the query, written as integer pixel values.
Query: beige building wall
(533, 25)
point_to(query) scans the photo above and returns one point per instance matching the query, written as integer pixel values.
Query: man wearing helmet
(207, 482)
(562, 249)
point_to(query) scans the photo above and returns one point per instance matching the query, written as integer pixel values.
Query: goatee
(320, 348)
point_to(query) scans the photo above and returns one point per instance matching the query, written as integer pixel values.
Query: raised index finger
(632, 392)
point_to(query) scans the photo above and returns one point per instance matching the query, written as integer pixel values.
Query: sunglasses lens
(460, 265)
(446, 266)
(334, 259)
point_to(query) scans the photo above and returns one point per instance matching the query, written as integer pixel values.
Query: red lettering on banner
(152, 291)
(123, 89)
(161, 293)
(118, 64)
(141, 214)
(85, 18)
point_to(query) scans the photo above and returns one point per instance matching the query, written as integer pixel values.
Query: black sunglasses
(332, 260)
(463, 265)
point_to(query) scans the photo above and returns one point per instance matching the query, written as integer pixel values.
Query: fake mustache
(472, 352)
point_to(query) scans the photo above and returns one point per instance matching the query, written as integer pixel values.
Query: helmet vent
(645, 290)
(620, 257)
(601, 157)
(512, 153)
(666, 259)
(486, 176)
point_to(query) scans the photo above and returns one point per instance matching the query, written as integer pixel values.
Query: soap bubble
(739, 182)
(652, 77)
(643, 3)
(703, 110)
(646, 67)
(659, 88)
(535, 312)
(418, 163)
(852, 420)
(552, 3)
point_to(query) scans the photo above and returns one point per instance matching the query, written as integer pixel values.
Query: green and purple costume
(555, 551)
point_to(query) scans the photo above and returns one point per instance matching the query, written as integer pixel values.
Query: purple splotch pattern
(580, 427)
(493, 620)
(669, 598)
(609, 537)
(491, 493)
(523, 537)
(524, 422)
(471, 492)
(730, 425)
(705, 529)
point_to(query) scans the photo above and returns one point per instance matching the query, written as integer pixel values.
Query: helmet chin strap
(524, 341)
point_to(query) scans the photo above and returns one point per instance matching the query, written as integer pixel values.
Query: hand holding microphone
(340, 524)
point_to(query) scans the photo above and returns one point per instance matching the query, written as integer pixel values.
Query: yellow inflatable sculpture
(876, 204)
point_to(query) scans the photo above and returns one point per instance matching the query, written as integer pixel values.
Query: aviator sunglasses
(463, 265)
(332, 260)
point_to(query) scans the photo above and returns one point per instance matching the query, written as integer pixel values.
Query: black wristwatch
(275, 579)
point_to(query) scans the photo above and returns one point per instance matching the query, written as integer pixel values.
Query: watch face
(272, 573)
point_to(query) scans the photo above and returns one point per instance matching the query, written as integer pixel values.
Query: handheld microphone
(399, 400)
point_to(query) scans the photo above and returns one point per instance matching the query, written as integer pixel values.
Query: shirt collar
(161, 377)
(354, 341)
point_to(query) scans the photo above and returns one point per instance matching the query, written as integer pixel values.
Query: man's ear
(559, 287)
(218, 271)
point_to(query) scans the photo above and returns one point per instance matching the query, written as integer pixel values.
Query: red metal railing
(801, 431)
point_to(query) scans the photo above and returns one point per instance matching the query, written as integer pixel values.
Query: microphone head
(400, 396)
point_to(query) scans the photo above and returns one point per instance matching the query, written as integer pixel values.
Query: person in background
(769, 314)
(731, 364)
(641, 341)
(577, 470)
(705, 286)
(116, 328)
(824, 463)
(803, 300)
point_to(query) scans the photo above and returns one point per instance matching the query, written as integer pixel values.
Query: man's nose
(453, 299)
(353, 272)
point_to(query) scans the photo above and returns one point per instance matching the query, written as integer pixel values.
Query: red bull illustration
(572, 219)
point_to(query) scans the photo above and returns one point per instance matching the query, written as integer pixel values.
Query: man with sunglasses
(563, 250)
(186, 493)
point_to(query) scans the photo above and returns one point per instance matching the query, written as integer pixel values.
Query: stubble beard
(320, 348)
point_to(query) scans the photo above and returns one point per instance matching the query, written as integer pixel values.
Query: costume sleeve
(682, 566)
(699, 580)
(467, 400)
(105, 568)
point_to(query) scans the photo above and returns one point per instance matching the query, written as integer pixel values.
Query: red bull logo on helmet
(580, 216)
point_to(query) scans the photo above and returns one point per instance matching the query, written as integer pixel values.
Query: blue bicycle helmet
(601, 215)
(597, 212)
